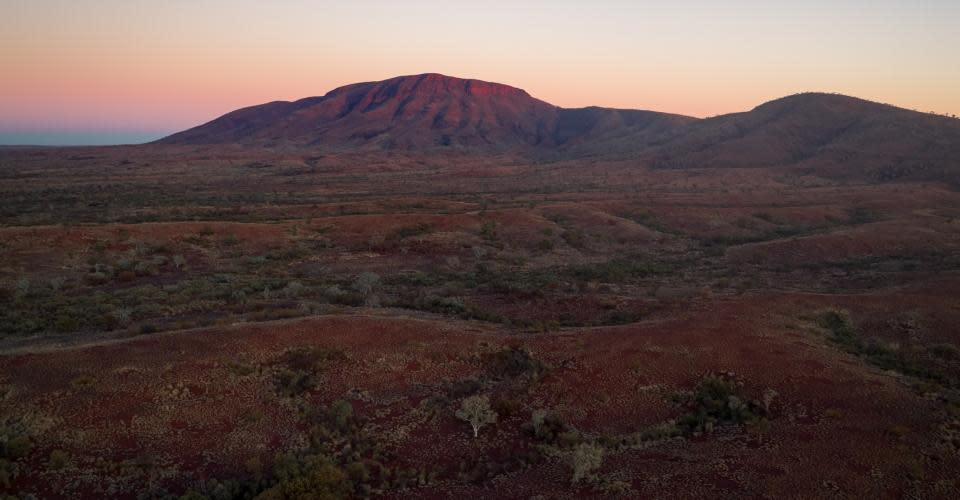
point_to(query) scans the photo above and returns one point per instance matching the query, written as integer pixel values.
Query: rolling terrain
(301, 297)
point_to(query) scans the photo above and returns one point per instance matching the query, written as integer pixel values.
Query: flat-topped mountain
(420, 112)
(831, 133)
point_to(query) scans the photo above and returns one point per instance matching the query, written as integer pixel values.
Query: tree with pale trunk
(476, 410)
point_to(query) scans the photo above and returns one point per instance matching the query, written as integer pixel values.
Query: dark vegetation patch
(932, 367)
(720, 400)
(299, 369)
(412, 231)
(511, 363)
(936, 363)
(615, 270)
(342, 458)
(16, 442)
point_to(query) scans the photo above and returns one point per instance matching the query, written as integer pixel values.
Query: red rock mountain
(420, 112)
(829, 134)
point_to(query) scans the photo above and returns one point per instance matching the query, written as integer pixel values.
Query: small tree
(584, 459)
(477, 411)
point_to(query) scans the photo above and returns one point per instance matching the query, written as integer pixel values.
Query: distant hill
(841, 134)
(828, 134)
(421, 112)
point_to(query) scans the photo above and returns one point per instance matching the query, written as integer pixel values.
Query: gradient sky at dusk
(114, 71)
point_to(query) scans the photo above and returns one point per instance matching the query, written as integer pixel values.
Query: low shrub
(511, 362)
(548, 429)
(584, 459)
(718, 400)
(298, 369)
(411, 231)
(614, 271)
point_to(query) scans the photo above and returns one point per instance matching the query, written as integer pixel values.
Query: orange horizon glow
(161, 67)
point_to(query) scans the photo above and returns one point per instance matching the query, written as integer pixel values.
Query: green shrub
(315, 478)
(15, 443)
(238, 368)
(58, 459)
(444, 305)
(506, 407)
(292, 383)
(862, 215)
(584, 459)
(511, 362)
(411, 231)
(549, 429)
(839, 324)
(716, 401)
(614, 271)
(575, 238)
(488, 231)
(83, 382)
(299, 369)
(366, 283)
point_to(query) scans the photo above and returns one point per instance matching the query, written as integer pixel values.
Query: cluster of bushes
(141, 261)
(47, 310)
(411, 231)
(341, 459)
(932, 363)
(511, 363)
(614, 270)
(15, 443)
(582, 454)
(718, 400)
(548, 429)
(488, 231)
(439, 304)
(298, 370)
(520, 283)
(862, 215)
(574, 238)
(36, 308)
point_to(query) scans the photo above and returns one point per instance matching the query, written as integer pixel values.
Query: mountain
(422, 112)
(826, 132)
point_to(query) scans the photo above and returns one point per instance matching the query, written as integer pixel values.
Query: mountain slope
(419, 112)
(821, 131)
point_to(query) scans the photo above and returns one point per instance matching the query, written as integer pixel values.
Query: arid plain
(762, 305)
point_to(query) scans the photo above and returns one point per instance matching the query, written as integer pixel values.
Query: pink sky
(157, 67)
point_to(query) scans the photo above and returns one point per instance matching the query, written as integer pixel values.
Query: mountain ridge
(417, 112)
(833, 133)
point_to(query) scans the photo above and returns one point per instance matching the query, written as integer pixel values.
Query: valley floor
(228, 324)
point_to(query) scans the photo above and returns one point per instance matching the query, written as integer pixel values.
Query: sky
(127, 71)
